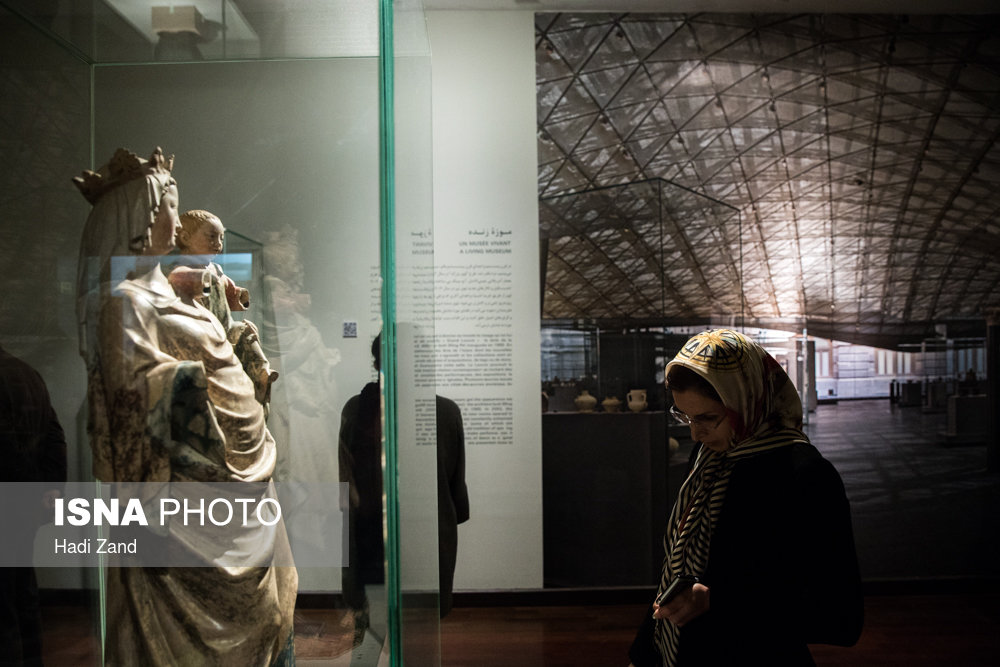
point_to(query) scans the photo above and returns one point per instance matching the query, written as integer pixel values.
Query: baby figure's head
(201, 234)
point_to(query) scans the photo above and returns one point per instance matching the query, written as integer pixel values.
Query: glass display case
(287, 122)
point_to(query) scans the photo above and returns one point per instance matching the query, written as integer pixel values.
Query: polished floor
(900, 631)
(926, 518)
(921, 508)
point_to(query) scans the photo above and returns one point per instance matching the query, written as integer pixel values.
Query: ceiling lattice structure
(835, 172)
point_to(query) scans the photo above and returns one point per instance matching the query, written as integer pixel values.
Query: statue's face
(165, 225)
(206, 239)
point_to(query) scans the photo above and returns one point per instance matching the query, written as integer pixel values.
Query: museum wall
(485, 188)
(286, 154)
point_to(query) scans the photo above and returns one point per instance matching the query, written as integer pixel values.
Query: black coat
(361, 466)
(31, 440)
(360, 454)
(782, 569)
(453, 495)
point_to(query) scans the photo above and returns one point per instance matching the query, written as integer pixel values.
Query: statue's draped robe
(169, 402)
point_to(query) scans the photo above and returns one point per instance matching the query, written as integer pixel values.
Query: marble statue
(169, 401)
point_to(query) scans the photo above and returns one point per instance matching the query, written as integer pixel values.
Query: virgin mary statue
(169, 402)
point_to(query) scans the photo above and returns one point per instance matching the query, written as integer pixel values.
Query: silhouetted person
(969, 384)
(33, 449)
(361, 467)
(360, 454)
(453, 495)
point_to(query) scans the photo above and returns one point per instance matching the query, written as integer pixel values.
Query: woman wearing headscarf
(760, 536)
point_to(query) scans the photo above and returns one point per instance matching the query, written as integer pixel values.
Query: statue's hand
(237, 297)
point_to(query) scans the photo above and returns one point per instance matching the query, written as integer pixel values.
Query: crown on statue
(123, 166)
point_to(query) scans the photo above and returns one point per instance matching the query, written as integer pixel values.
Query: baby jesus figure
(196, 277)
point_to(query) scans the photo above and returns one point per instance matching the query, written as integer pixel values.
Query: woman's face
(709, 420)
(165, 225)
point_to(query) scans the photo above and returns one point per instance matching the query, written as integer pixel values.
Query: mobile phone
(681, 583)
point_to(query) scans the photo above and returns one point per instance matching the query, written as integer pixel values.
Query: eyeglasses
(709, 423)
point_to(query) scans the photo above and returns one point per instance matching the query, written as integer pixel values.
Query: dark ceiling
(834, 172)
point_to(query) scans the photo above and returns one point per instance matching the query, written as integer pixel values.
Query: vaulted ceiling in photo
(834, 172)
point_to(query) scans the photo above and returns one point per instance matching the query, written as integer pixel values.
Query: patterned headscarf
(766, 413)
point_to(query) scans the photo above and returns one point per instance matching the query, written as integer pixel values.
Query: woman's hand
(684, 608)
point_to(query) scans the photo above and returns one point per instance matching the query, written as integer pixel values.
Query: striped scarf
(767, 415)
(694, 517)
